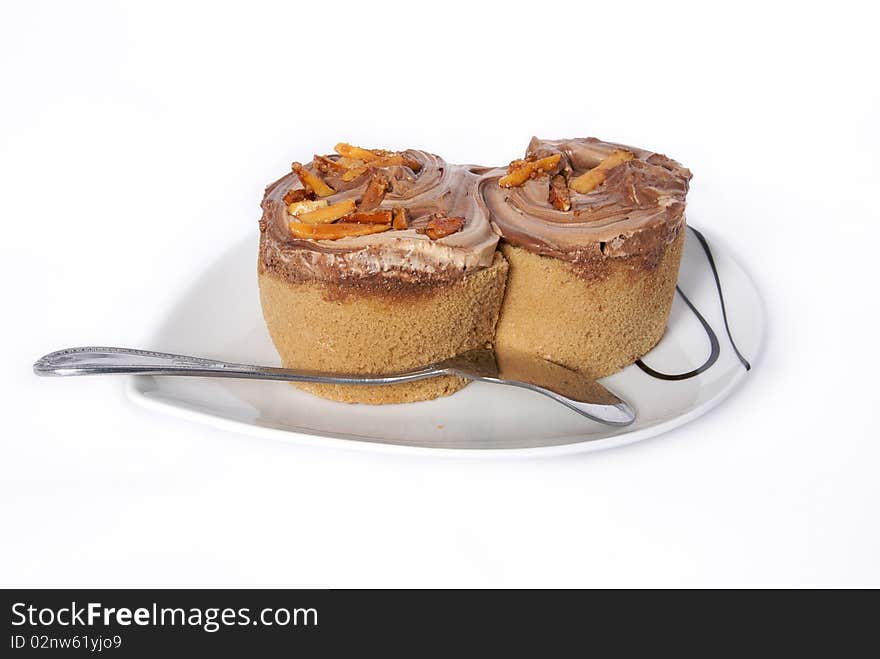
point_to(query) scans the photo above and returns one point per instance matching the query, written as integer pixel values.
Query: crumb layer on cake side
(596, 324)
(327, 326)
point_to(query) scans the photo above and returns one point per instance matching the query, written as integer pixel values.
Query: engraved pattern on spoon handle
(99, 360)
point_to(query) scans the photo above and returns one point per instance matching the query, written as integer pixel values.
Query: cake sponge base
(339, 328)
(596, 322)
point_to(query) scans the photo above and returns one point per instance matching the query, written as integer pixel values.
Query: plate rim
(338, 442)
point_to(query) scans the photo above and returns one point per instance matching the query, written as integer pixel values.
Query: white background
(135, 142)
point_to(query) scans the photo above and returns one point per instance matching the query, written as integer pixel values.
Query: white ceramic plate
(219, 317)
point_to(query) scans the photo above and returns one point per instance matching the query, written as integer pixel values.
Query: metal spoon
(575, 391)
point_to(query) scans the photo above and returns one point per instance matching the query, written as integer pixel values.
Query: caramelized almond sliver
(328, 165)
(440, 227)
(394, 159)
(354, 173)
(306, 206)
(560, 197)
(369, 217)
(348, 163)
(521, 171)
(375, 192)
(356, 152)
(312, 181)
(518, 173)
(589, 180)
(384, 161)
(328, 214)
(399, 221)
(593, 178)
(334, 231)
(294, 195)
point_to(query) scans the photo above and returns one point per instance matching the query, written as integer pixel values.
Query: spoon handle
(129, 361)
(575, 391)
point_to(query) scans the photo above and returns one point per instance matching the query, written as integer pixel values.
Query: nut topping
(375, 192)
(334, 231)
(306, 206)
(316, 219)
(595, 177)
(357, 153)
(521, 171)
(400, 221)
(355, 172)
(327, 214)
(369, 217)
(348, 163)
(394, 159)
(312, 181)
(298, 194)
(442, 226)
(391, 160)
(328, 166)
(560, 197)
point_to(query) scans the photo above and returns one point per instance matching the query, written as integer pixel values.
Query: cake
(593, 234)
(377, 262)
(374, 262)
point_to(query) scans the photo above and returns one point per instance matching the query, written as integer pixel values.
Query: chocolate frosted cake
(593, 233)
(375, 262)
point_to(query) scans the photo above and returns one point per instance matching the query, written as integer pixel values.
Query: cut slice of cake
(593, 233)
(374, 261)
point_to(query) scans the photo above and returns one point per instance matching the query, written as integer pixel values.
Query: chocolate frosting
(404, 255)
(637, 211)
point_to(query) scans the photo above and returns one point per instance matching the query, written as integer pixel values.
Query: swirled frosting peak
(631, 201)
